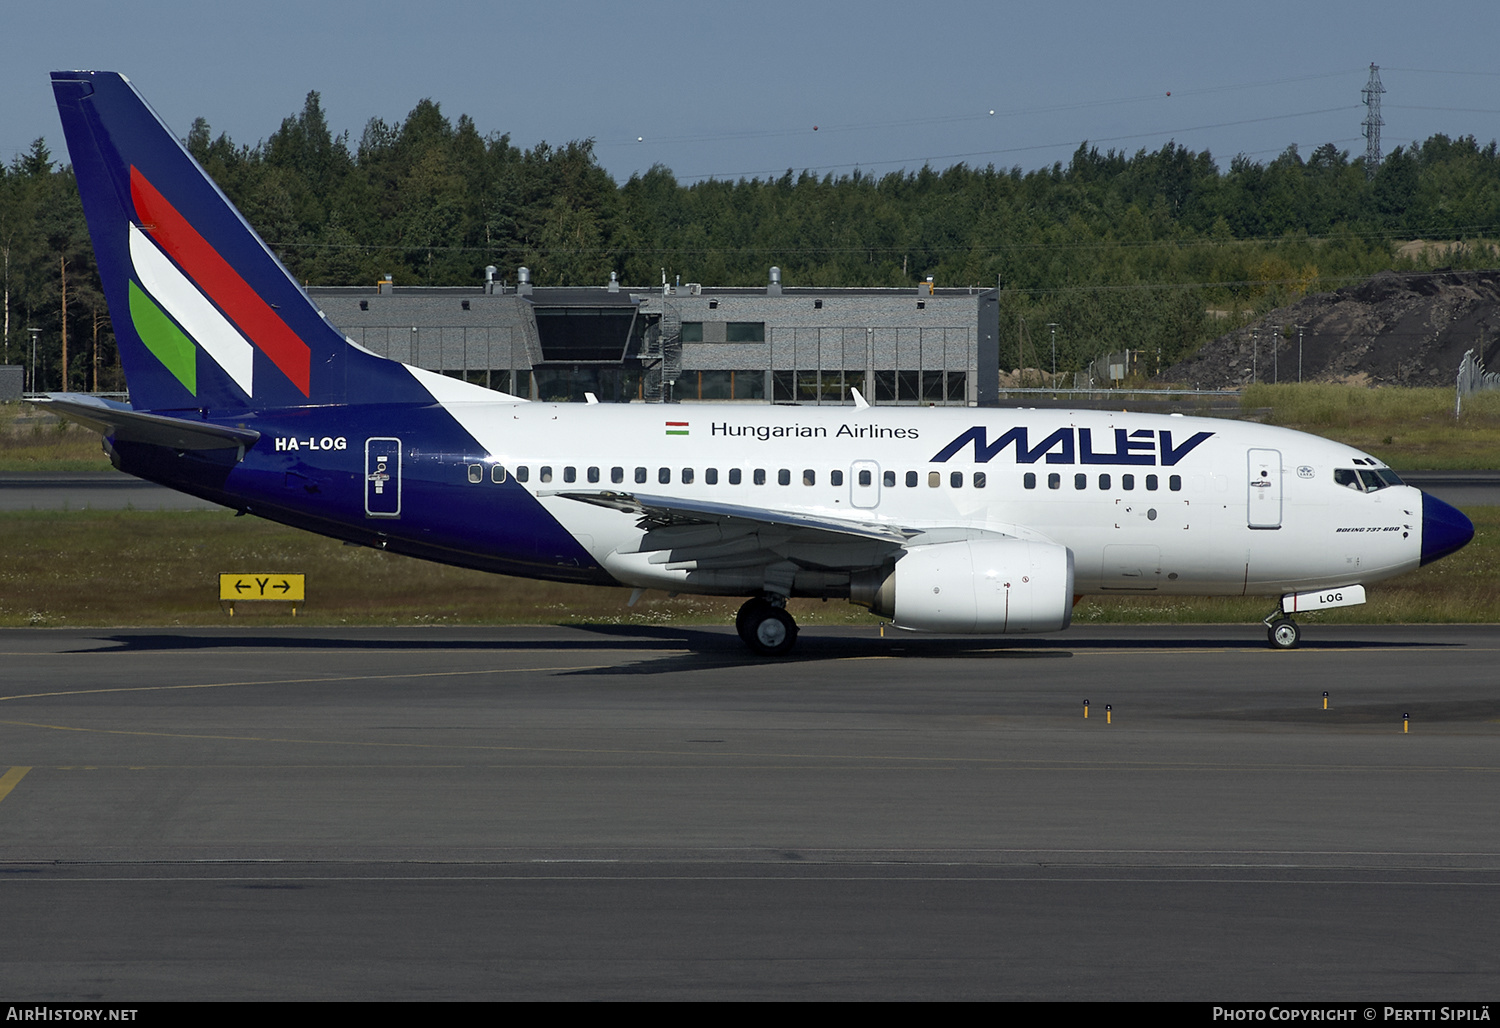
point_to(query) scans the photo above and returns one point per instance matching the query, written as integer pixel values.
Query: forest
(1156, 250)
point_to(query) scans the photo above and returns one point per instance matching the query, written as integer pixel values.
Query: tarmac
(650, 813)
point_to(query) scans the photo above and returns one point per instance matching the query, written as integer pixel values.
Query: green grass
(133, 568)
(34, 440)
(1409, 429)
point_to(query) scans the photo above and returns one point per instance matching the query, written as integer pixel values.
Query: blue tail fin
(204, 314)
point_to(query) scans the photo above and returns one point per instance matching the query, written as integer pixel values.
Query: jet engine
(978, 586)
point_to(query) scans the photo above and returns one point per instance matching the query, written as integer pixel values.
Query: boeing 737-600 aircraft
(964, 520)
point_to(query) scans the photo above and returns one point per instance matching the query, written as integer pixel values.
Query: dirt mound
(1391, 329)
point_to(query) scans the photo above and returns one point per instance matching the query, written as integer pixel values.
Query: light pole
(1053, 326)
(1300, 329)
(1276, 354)
(34, 333)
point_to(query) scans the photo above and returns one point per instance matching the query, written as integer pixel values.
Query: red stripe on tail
(220, 281)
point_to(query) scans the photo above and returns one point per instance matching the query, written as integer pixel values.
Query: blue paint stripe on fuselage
(320, 485)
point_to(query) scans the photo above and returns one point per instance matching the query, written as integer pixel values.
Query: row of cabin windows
(711, 476)
(1127, 482)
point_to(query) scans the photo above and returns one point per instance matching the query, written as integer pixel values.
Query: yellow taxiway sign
(237, 587)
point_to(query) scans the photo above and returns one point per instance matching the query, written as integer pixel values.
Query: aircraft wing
(668, 511)
(687, 534)
(120, 421)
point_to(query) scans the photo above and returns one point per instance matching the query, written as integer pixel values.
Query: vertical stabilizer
(205, 315)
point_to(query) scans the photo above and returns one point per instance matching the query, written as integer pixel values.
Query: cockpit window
(1366, 480)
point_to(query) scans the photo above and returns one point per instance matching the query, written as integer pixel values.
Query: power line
(1159, 133)
(1464, 231)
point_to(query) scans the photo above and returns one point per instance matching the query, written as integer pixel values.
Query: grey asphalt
(111, 490)
(1460, 488)
(648, 813)
(90, 490)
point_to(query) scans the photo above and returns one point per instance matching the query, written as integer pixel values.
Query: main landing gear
(1282, 632)
(766, 627)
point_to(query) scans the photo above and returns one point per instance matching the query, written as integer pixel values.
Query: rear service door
(382, 478)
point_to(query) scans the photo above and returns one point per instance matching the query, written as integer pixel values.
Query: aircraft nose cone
(1444, 529)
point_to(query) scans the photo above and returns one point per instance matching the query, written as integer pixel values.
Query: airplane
(981, 521)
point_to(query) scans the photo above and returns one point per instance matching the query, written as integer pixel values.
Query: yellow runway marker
(9, 780)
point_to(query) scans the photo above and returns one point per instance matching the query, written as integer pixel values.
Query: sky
(711, 89)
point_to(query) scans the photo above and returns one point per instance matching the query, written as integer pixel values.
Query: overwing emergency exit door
(864, 484)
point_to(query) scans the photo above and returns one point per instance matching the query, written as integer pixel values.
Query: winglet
(860, 403)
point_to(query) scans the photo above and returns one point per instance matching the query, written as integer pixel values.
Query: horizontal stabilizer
(119, 421)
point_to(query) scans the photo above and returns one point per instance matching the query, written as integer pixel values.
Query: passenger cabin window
(784, 477)
(956, 480)
(593, 475)
(734, 476)
(570, 474)
(476, 473)
(664, 475)
(889, 478)
(1127, 482)
(1080, 481)
(545, 475)
(809, 476)
(523, 473)
(1103, 481)
(760, 476)
(837, 477)
(911, 480)
(979, 480)
(617, 475)
(1054, 481)
(1029, 481)
(687, 476)
(497, 473)
(640, 476)
(710, 476)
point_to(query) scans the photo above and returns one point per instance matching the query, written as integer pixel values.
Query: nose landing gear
(1282, 632)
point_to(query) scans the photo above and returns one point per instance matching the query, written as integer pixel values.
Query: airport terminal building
(686, 342)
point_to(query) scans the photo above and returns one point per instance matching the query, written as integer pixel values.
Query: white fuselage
(1247, 509)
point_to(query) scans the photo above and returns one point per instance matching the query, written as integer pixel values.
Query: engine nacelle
(977, 586)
